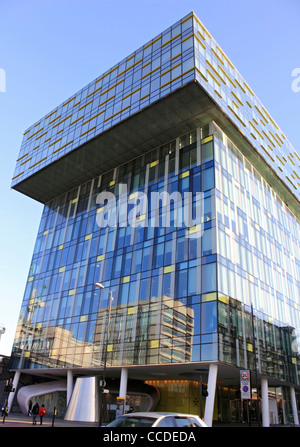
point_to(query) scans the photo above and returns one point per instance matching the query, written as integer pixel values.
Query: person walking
(4, 408)
(35, 412)
(29, 407)
(42, 413)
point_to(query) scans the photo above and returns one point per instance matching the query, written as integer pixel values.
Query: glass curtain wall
(183, 288)
(258, 267)
(162, 269)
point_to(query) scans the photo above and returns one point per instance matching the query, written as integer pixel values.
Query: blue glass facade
(162, 308)
(174, 286)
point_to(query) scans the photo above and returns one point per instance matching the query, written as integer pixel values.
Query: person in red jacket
(42, 413)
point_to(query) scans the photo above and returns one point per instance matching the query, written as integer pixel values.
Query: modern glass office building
(168, 183)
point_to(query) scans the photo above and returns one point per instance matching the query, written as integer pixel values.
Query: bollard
(53, 416)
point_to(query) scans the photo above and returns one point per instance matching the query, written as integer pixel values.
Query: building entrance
(243, 411)
(232, 409)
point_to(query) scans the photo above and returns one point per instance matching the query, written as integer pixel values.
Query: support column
(294, 405)
(123, 382)
(12, 394)
(211, 390)
(265, 403)
(69, 385)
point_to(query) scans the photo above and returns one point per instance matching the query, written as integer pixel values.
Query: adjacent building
(167, 182)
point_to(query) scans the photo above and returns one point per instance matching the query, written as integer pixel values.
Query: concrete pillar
(69, 385)
(123, 382)
(12, 394)
(265, 403)
(211, 390)
(284, 406)
(294, 405)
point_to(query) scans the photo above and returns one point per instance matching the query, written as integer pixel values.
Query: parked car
(157, 419)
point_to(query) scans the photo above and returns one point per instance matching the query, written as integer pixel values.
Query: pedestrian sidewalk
(22, 420)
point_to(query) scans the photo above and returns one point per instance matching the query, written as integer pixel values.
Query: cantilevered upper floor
(179, 80)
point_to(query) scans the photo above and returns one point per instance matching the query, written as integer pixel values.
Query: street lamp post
(255, 368)
(101, 286)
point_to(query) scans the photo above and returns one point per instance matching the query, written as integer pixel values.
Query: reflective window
(166, 422)
(209, 277)
(183, 422)
(207, 152)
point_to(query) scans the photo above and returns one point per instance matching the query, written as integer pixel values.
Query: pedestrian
(35, 412)
(4, 408)
(131, 410)
(42, 413)
(29, 407)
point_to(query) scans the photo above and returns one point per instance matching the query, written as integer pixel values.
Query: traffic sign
(245, 374)
(245, 384)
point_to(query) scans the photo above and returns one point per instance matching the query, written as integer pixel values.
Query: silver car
(158, 419)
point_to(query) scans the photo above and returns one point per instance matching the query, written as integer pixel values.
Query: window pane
(181, 284)
(137, 261)
(209, 283)
(180, 255)
(154, 286)
(207, 242)
(192, 282)
(123, 295)
(207, 152)
(159, 255)
(208, 317)
(168, 253)
(207, 209)
(167, 284)
(207, 179)
(146, 258)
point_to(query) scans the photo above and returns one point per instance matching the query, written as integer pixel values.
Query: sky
(50, 49)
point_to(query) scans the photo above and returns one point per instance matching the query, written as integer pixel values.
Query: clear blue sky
(49, 49)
